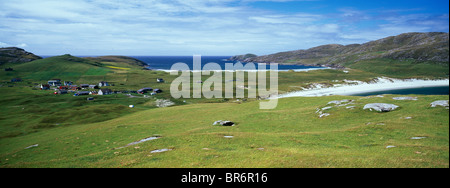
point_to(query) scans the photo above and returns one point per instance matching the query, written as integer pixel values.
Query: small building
(16, 80)
(84, 86)
(93, 87)
(103, 84)
(45, 87)
(160, 80)
(61, 92)
(104, 92)
(93, 93)
(64, 87)
(74, 88)
(68, 83)
(80, 93)
(145, 90)
(56, 82)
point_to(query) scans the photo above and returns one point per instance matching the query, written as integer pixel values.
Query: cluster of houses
(87, 89)
(68, 86)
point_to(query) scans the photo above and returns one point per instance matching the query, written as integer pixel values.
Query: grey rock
(340, 102)
(443, 103)
(140, 141)
(32, 146)
(224, 123)
(381, 107)
(162, 103)
(324, 115)
(405, 98)
(160, 150)
(326, 108)
(418, 138)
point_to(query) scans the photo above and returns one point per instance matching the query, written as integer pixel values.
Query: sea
(164, 63)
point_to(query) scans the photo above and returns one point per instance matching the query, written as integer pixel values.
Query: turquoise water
(416, 91)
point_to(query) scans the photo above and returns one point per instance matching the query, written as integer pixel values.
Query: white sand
(383, 84)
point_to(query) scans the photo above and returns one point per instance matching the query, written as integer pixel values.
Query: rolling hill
(410, 52)
(16, 55)
(73, 68)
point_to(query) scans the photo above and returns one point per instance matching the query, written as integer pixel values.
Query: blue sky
(208, 27)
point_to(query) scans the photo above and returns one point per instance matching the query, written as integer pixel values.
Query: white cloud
(22, 45)
(183, 27)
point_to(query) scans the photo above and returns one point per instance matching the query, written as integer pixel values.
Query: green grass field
(73, 132)
(291, 136)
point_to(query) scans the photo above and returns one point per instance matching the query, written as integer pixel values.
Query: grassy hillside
(63, 67)
(409, 54)
(125, 73)
(290, 136)
(402, 69)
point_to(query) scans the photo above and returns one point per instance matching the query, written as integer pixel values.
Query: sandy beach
(358, 87)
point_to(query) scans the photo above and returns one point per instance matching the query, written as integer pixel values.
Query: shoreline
(295, 70)
(382, 84)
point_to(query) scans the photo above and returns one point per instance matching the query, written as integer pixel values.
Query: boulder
(224, 123)
(405, 98)
(443, 103)
(324, 115)
(162, 103)
(381, 107)
(339, 102)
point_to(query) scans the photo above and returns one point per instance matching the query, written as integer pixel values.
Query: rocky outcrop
(381, 107)
(224, 123)
(16, 55)
(163, 103)
(442, 103)
(405, 98)
(244, 58)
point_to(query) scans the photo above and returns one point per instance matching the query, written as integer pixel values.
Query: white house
(104, 92)
(54, 82)
(103, 84)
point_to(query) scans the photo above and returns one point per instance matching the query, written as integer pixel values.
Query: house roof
(105, 90)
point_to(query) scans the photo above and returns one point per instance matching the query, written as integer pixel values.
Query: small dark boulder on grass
(224, 123)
